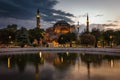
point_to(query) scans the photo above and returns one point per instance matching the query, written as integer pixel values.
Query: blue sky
(22, 12)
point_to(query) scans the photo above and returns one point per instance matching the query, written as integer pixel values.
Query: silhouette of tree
(62, 39)
(8, 35)
(87, 39)
(22, 37)
(71, 37)
(106, 36)
(36, 33)
(117, 37)
(97, 34)
(67, 38)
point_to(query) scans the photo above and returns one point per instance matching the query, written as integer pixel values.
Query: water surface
(59, 66)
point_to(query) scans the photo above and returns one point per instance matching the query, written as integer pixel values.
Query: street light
(111, 40)
(78, 26)
(9, 37)
(9, 41)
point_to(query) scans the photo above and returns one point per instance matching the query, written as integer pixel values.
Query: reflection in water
(78, 61)
(112, 63)
(96, 60)
(37, 72)
(67, 53)
(59, 66)
(9, 62)
(111, 59)
(65, 60)
(40, 54)
(21, 62)
(37, 66)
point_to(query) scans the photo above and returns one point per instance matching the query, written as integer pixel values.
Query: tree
(12, 29)
(117, 37)
(97, 34)
(106, 36)
(22, 37)
(87, 39)
(71, 37)
(67, 38)
(4, 36)
(7, 35)
(62, 39)
(36, 33)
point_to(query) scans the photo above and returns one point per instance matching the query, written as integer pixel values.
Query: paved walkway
(32, 50)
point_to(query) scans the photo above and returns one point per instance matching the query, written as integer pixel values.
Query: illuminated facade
(60, 27)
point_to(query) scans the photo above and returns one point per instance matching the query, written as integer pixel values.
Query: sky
(103, 14)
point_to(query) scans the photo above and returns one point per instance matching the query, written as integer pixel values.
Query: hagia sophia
(60, 27)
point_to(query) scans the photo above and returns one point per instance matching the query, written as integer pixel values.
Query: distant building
(60, 27)
(38, 19)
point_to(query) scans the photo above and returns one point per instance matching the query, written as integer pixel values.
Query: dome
(61, 27)
(62, 23)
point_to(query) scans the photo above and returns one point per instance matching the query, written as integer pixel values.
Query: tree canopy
(67, 38)
(87, 39)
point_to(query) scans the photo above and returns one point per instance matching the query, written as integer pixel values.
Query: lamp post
(78, 26)
(9, 37)
(9, 41)
(111, 40)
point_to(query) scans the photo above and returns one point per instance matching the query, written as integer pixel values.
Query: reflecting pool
(59, 66)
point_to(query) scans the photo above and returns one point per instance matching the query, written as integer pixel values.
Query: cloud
(111, 24)
(109, 20)
(91, 26)
(113, 21)
(99, 15)
(26, 10)
(97, 26)
(27, 23)
(116, 21)
(84, 15)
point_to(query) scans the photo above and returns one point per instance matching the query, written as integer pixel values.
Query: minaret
(38, 19)
(87, 26)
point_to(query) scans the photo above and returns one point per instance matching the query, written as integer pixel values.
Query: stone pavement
(77, 50)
